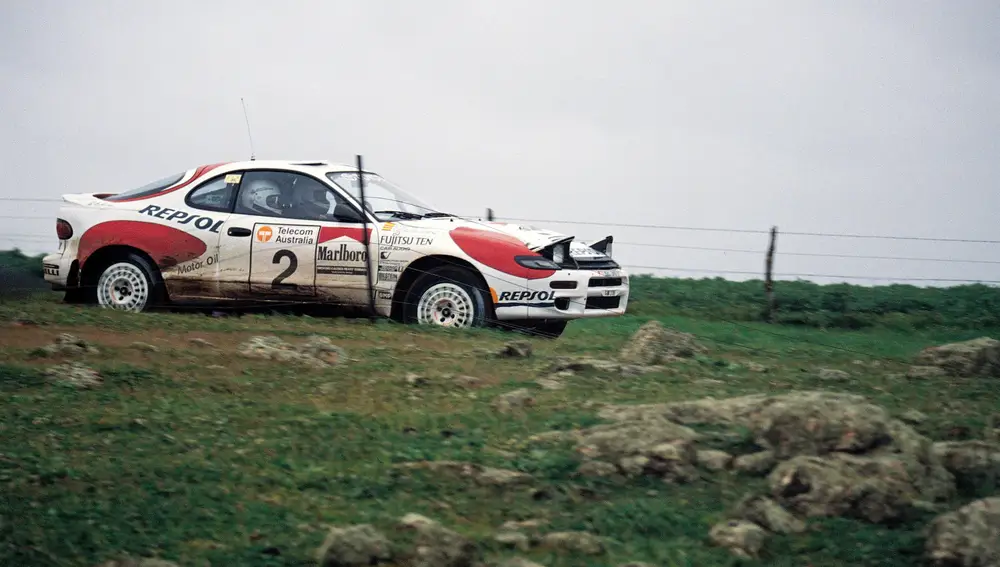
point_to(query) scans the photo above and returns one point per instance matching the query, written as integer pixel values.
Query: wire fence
(41, 237)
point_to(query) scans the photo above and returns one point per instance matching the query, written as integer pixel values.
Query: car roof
(323, 164)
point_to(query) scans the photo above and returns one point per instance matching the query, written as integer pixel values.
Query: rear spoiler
(87, 200)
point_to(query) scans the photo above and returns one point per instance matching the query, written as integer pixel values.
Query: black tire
(482, 307)
(149, 273)
(547, 328)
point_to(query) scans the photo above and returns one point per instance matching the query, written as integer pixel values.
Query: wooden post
(768, 280)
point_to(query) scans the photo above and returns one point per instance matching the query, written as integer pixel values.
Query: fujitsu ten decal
(526, 296)
(180, 217)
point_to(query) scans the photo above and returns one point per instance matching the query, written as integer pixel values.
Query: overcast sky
(843, 117)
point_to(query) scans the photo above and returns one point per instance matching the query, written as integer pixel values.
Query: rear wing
(89, 200)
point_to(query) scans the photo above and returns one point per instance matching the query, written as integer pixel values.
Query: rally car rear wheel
(126, 285)
(446, 297)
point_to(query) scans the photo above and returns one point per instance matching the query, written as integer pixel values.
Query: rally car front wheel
(127, 284)
(447, 297)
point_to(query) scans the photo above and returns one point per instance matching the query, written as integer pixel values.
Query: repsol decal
(340, 254)
(526, 296)
(180, 217)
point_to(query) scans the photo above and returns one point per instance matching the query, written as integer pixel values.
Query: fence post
(768, 280)
(489, 215)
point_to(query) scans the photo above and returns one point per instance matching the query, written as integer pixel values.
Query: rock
(655, 344)
(913, 417)
(199, 342)
(756, 464)
(468, 381)
(768, 514)
(513, 540)
(490, 476)
(742, 538)
(354, 546)
(518, 562)
(316, 352)
(416, 380)
(75, 375)
(713, 460)
(486, 476)
(654, 447)
(597, 469)
(437, 546)
(992, 430)
(138, 562)
(924, 373)
(322, 348)
(973, 463)
(877, 490)
(832, 375)
(573, 542)
(976, 357)
(514, 525)
(515, 349)
(549, 384)
(967, 537)
(144, 347)
(69, 345)
(520, 398)
(568, 367)
(756, 367)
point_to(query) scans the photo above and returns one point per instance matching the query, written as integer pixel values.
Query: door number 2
(293, 263)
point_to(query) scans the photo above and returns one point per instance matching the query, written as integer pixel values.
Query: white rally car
(294, 231)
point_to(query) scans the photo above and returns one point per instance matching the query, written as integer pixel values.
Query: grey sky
(845, 117)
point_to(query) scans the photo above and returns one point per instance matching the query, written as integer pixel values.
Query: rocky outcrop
(75, 375)
(315, 352)
(976, 357)
(655, 344)
(354, 546)
(69, 345)
(974, 464)
(741, 538)
(967, 537)
(485, 476)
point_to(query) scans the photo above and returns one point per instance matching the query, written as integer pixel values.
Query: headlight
(536, 262)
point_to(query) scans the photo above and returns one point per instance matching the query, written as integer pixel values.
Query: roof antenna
(252, 153)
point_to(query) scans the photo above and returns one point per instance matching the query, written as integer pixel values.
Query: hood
(534, 238)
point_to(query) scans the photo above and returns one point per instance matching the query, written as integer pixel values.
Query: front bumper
(568, 294)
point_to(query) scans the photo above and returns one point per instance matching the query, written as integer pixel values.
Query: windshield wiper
(437, 215)
(400, 214)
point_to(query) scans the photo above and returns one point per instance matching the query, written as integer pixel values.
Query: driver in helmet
(263, 197)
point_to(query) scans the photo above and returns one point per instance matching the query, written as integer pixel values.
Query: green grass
(218, 465)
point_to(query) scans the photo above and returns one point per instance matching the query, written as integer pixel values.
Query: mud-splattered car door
(292, 237)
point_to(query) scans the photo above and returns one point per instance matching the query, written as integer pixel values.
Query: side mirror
(346, 213)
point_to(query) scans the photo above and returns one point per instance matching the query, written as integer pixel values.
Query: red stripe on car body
(497, 250)
(166, 245)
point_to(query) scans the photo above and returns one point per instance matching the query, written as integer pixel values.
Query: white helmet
(261, 195)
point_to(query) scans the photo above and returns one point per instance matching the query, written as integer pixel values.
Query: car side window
(216, 194)
(289, 195)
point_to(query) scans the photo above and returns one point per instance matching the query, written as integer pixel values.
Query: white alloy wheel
(446, 305)
(123, 286)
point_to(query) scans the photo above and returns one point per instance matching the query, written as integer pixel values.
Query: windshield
(382, 198)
